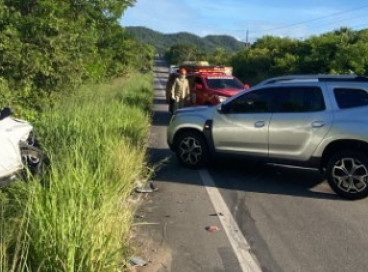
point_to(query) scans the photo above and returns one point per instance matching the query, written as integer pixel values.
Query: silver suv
(318, 121)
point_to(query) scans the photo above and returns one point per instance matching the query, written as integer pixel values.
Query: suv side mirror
(199, 87)
(223, 108)
(5, 112)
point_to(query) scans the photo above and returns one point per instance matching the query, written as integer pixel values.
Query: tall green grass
(78, 216)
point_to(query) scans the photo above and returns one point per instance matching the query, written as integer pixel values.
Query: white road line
(247, 261)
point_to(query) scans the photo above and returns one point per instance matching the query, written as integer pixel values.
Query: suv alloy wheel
(347, 174)
(191, 149)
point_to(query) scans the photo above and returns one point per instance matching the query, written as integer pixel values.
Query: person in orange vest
(180, 90)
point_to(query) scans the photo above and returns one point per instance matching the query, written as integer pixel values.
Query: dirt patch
(157, 253)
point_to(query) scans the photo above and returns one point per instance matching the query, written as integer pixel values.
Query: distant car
(173, 69)
(318, 121)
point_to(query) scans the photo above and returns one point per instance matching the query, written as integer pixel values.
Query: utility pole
(247, 43)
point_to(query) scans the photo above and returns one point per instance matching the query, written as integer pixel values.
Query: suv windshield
(219, 83)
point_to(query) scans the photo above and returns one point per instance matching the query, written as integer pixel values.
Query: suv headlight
(221, 98)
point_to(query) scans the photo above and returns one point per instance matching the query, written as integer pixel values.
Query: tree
(182, 52)
(220, 57)
(340, 51)
(252, 65)
(52, 46)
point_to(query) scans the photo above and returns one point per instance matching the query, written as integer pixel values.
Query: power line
(312, 20)
(303, 22)
(360, 25)
(341, 20)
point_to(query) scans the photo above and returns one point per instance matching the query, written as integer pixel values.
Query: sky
(284, 18)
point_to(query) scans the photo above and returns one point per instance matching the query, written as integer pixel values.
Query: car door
(198, 94)
(191, 89)
(10, 159)
(241, 126)
(299, 122)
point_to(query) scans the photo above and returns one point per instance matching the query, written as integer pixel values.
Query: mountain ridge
(163, 42)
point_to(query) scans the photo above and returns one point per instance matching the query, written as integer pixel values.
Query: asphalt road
(290, 217)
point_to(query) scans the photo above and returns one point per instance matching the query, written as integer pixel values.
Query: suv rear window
(350, 98)
(298, 99)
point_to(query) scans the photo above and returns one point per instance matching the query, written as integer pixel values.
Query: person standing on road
(180, 90)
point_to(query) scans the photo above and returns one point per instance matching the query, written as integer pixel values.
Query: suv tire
(191, 149)
(33, 160)
(347, 174)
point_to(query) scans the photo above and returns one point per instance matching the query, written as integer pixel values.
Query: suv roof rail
(317, 78)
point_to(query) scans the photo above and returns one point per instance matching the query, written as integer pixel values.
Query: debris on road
(212, 228)
(137, 261)
(139, 216)
(217, 214)
(148, 188)
(152, 185)
(143, 189)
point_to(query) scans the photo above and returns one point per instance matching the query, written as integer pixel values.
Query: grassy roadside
(79, 217)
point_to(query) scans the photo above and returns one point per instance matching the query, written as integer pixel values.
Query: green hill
(162, 42)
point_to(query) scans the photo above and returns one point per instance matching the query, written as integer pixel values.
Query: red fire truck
(209, 85)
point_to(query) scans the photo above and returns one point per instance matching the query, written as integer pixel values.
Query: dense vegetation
(338, 52)
(186, 51)
(77, 215)
(162, 42)
(50, 47)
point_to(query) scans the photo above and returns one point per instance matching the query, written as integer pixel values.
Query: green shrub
(78, 217)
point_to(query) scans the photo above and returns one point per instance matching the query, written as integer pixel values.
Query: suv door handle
(259, 124)
(318, 124)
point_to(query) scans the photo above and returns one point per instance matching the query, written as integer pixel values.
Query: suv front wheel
(191, 149)
(347, 174)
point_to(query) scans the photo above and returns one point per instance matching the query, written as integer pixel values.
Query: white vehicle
(173, 69)
(19, 148)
